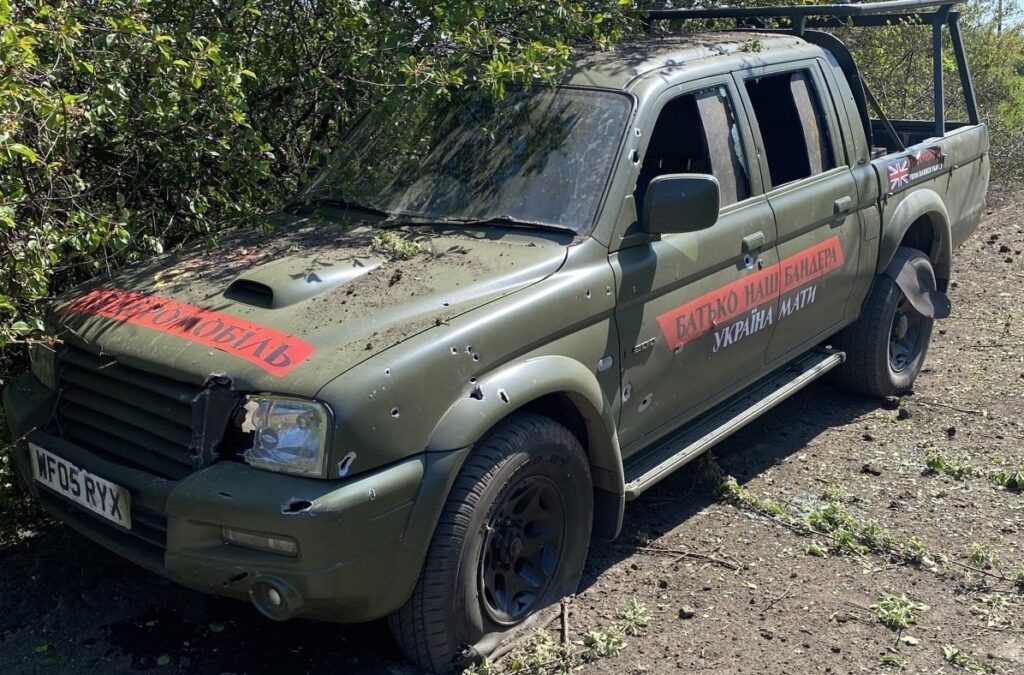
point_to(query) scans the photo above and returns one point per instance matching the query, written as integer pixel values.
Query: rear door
(813, 195)
(694, 309)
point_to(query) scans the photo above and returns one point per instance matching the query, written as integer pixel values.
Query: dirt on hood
(315, 295)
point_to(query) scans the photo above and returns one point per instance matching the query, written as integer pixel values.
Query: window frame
(828, 109)
(751, 157)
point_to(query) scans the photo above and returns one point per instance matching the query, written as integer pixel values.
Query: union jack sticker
(899, 174)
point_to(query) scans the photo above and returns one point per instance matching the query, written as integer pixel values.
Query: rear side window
(697, 133)
(793, 127)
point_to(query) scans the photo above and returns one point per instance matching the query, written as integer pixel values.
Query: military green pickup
(429, 381)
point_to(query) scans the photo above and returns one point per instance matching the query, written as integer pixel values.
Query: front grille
(124, 414)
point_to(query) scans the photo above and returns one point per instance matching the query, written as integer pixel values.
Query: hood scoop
(290, 281)
(249, 292)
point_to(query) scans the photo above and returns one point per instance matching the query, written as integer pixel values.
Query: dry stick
(507, 648)
(774, 600)
(994, 575)
(502, 651)
(565, 621)
(944, 405)
(858, 606)
(685, 554)
(1003, 630)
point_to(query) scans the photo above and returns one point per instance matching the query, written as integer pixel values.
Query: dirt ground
(764, 598)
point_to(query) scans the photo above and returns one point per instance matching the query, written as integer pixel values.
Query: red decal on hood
(697, 317)
(271, 350)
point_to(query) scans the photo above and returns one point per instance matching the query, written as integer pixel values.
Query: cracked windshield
(539, 156)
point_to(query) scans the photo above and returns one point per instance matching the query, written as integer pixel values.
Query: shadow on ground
(69, 605)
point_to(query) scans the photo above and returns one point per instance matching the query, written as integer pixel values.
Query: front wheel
(511, 540)
(885, 348)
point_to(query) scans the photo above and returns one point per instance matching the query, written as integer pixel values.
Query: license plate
(99, 495)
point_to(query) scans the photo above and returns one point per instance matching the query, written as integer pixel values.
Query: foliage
(936, 463)
(394, 246)
(541, 654)
(128, 126)
(962, 659)
(897, 612)
(897, 65)
(983, 556)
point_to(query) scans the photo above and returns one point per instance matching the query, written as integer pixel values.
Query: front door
(695, 310)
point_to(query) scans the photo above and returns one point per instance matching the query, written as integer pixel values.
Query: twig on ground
(936, 404)
(565, 621)
(682, 554)
(774, 600)
(994, 575)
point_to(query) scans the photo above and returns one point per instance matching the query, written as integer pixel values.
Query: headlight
(44, 363)
(289, 435)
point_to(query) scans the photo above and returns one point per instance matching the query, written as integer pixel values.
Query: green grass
(983, 557)
(1011, 480)
(962, 659)
(541, 654)
(897, 612)
(936, 462)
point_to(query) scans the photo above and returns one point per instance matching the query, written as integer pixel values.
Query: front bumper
(361, 541)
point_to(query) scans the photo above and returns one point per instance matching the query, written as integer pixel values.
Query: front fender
(509, 388)
(927, 203)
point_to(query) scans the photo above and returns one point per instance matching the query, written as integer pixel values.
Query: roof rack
(856, 14)
(839, 14)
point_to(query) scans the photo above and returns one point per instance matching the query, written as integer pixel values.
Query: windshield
(535, 156)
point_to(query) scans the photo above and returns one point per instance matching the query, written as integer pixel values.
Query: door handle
(843, 205)
(753, 242)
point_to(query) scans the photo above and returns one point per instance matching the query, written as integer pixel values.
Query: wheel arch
(920, 221)
(557, 387)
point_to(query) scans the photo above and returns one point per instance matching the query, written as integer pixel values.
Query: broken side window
(697, 133)
(793, 126)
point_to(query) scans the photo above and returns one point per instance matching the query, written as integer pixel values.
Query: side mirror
(680, 202)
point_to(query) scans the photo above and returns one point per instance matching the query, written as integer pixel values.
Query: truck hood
(292, 306)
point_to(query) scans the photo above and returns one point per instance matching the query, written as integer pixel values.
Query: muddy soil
(757, 601)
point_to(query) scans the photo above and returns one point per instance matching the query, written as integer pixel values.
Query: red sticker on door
(271, 350)
(715, 308)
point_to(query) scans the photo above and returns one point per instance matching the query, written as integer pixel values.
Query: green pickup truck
(424, 387)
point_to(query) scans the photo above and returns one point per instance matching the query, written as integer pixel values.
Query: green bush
(128, 126)
(896, 62)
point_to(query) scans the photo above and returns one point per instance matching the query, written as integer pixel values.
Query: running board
(650, 466)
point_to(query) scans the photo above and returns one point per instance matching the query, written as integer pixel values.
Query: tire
(526, 482)
(886, 347)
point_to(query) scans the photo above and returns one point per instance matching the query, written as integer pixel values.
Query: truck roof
(618, 68)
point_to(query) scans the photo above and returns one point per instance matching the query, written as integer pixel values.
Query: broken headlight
(288, 434)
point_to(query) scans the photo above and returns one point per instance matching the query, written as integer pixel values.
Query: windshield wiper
(333, 202)
(503, 220)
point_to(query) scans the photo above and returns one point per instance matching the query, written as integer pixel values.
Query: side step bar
(657, 462)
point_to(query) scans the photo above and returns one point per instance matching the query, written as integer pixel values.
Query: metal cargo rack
(798, 18)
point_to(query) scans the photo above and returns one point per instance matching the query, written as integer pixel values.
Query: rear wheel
(512, 539)
(886, 347)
